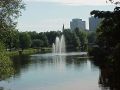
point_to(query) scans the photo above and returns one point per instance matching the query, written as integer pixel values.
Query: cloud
(73, 2)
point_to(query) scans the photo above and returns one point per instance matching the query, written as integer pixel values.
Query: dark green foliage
(36, 43)
(47, 37)
(107, 53)
(72, 41)
(51, 36)
(91, 37)
(10, 38)
(76, 40)
(108, 36)
(33, 35)
(10, 10)
(15, 40)
(82, 35)
(43, 38)
(24, 40)
(6, 69)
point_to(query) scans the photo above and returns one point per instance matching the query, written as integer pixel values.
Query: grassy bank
(24, 52)
(28, 51)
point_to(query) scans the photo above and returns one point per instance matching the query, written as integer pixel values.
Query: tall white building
(94, 23)
(77, 23)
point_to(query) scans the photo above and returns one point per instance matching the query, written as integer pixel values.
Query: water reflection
(60, 61)
(45, 72)
(20, 63)
(109, 78)
(61, 72)
(6, 69)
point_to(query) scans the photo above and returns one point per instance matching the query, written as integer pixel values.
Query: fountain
(59, 45)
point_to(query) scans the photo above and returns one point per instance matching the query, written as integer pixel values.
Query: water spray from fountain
(59, 45)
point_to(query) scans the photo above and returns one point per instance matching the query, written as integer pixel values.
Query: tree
(9, 11)
(33, 35)
(108, 33)
(114, 2)
(10, 38)
(91, 37)
(52, 35)
(72, 40)
(37, 43)
(83, 39)
(75, 40)
(108, 41)
(108, 37)
(43, 38)
(25, 40)
(68, 39)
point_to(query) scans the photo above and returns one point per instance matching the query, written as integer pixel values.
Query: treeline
(75, 40)
(13, 39)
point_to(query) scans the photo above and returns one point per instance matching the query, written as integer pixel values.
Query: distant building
(94, 23)
(77, 23)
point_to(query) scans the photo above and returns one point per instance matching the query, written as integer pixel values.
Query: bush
(6, 69)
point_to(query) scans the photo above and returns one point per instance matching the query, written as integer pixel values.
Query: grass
(28, 51)
(24, 52)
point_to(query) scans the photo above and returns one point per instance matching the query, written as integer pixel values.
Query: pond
(53, 72)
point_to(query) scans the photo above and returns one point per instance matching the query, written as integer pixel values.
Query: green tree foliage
(108, 50)
(37, 43)
(82, 35)
(33, 35)
(24, 40)
(51, 36)
(6, 69)
(46, 38)
(43, 38)
(91, 37)
(108, 37)
(9, 11)
(71, 42)
(10, 38)
(76, 39)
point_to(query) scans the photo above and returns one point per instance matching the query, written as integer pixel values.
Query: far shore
(28, 51)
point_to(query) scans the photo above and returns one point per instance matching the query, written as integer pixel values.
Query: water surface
(53, 72)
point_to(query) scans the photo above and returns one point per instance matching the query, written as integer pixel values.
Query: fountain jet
(59, 45)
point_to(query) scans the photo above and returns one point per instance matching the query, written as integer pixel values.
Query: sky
(50, 15)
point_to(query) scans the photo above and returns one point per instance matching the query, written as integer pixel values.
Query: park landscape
(63, 59)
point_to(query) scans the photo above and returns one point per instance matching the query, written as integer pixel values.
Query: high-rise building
(94, 23)
(77, 23)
